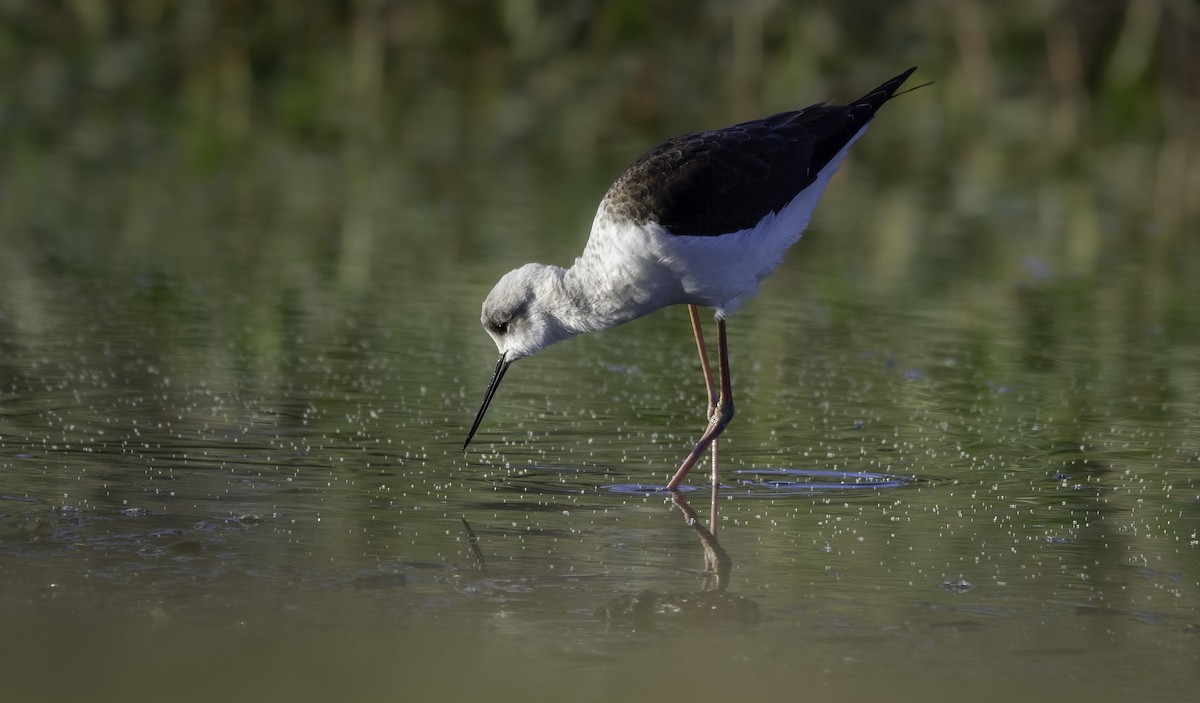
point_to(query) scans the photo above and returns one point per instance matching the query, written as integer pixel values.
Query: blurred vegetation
(352, 143)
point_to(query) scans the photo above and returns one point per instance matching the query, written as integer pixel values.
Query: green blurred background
(297, 141)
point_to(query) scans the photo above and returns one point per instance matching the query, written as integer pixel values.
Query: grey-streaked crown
(725, 180)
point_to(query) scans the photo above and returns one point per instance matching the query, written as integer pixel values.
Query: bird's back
(726, 180)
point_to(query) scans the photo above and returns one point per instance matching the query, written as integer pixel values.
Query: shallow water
(207, 494)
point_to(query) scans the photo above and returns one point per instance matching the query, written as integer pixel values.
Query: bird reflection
(712, 604)
(717, 563)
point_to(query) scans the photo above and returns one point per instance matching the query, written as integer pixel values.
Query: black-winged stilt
(700, 220)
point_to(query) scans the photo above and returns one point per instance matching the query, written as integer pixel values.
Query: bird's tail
(872, 101)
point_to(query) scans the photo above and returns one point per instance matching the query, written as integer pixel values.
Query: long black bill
(497, 375)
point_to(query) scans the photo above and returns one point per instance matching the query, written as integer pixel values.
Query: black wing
(722, 181)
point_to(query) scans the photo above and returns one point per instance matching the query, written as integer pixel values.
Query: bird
(700, 220)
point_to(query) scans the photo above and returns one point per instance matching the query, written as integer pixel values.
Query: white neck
(619, 277)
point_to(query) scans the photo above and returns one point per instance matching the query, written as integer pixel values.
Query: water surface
(208, 494)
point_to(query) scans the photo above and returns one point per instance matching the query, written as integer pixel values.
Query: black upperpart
(721, 181)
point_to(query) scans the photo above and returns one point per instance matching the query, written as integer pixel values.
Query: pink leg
(702, 348)
(722, 411)
(716, 487)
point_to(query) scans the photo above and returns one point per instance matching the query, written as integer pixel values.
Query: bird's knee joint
(723, 413)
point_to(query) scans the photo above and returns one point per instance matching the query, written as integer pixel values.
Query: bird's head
(523, 315)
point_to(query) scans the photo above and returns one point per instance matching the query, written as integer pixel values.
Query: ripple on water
(764, 483)
(744, 483)
(809, 480)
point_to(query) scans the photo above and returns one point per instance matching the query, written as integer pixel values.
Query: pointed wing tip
(890, 87)
(875, 99)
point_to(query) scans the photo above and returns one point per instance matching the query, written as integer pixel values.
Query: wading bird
(700, 220)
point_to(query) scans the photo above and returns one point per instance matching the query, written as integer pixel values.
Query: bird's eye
(500, 327)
